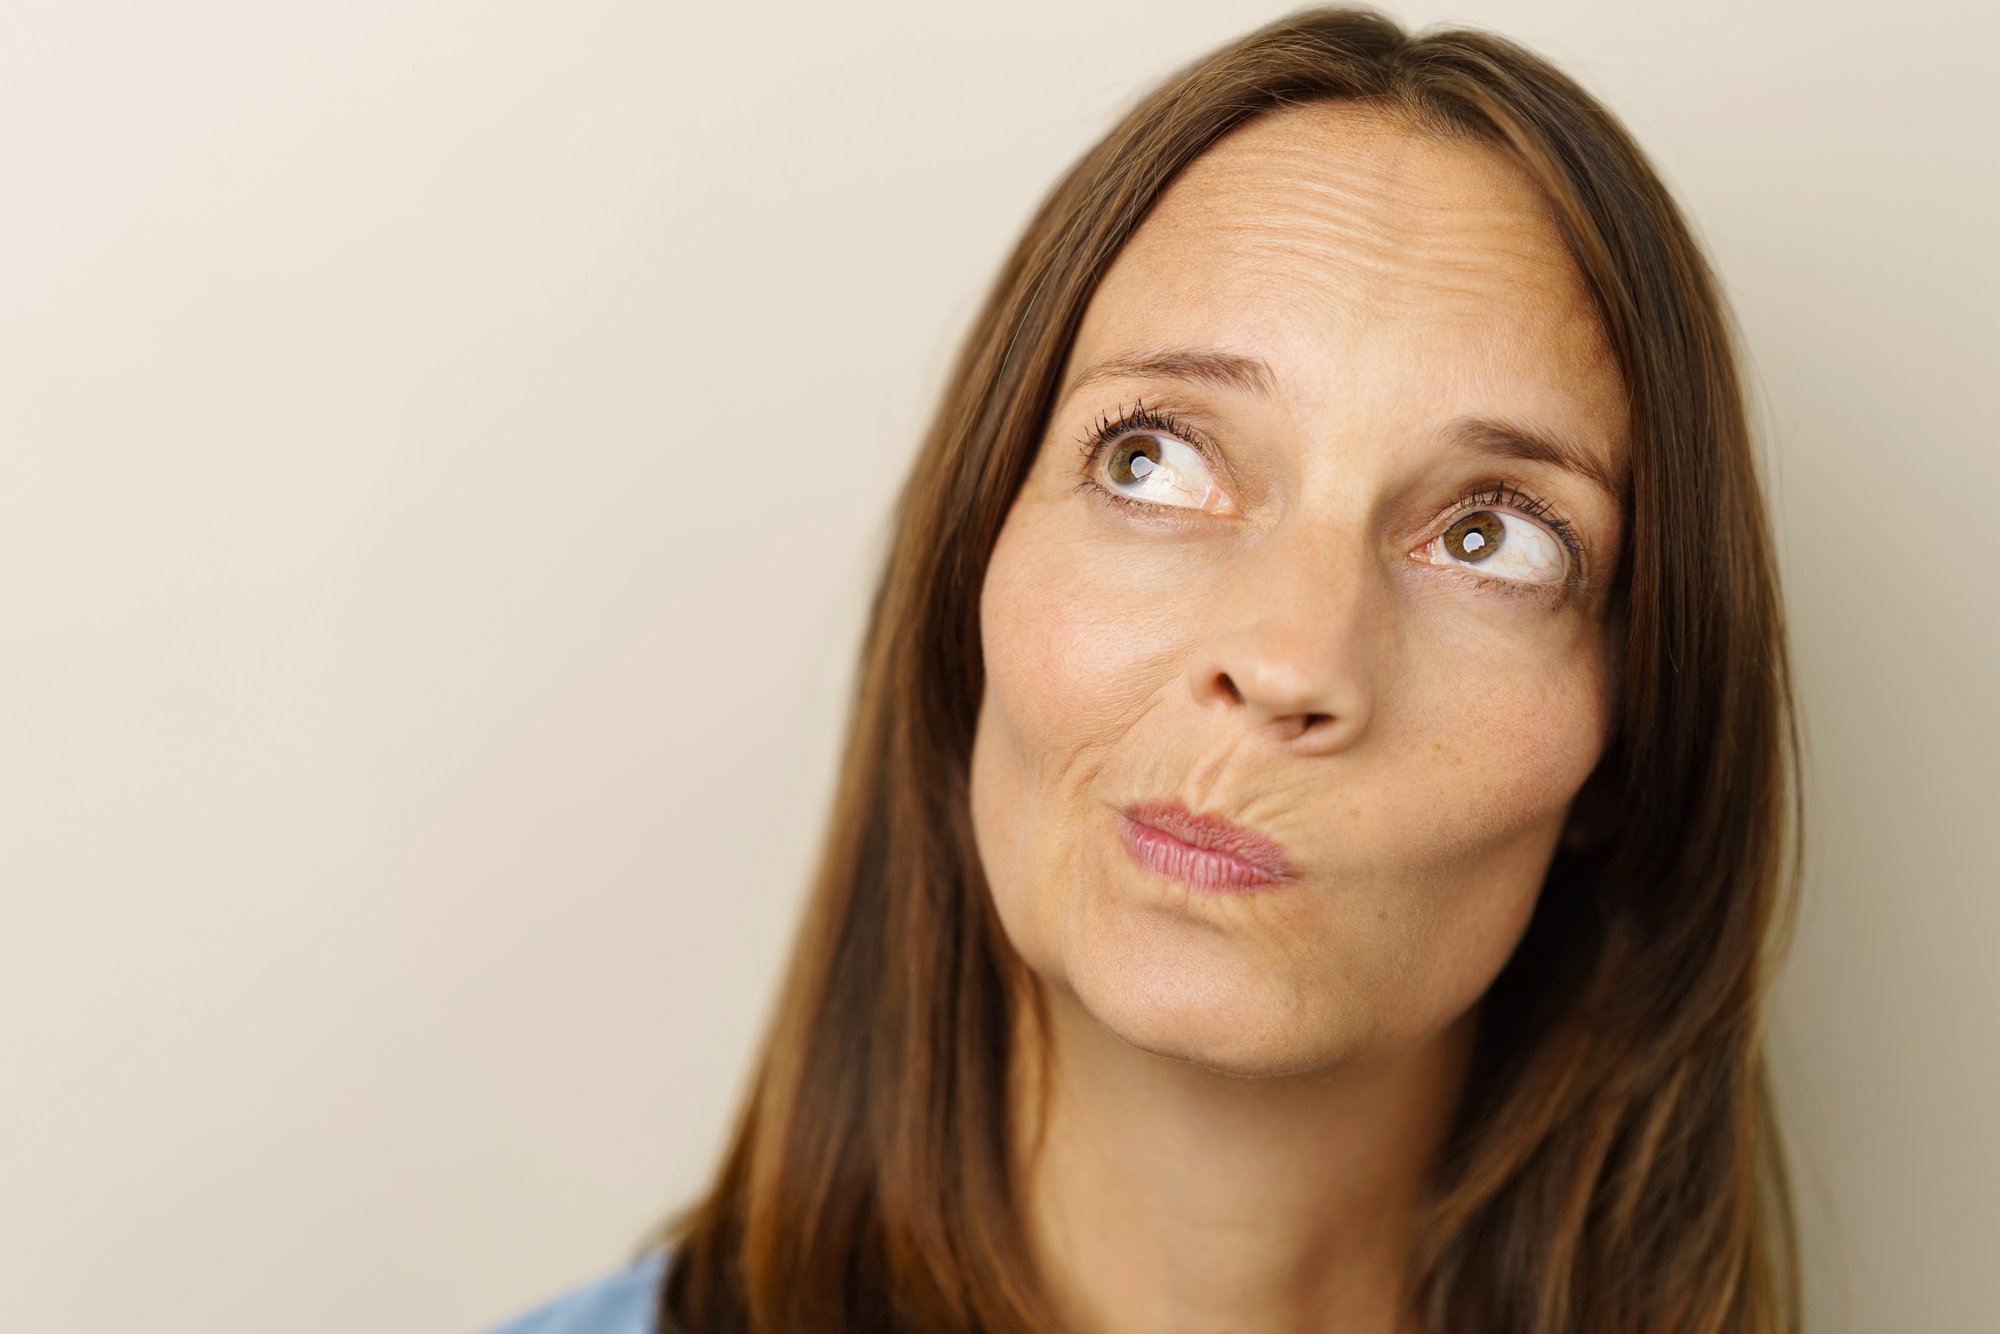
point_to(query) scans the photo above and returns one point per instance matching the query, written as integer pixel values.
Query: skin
(1231, 1118)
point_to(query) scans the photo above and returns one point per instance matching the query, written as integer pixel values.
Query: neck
(1161, 1197)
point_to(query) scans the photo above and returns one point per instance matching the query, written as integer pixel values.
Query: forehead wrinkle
(1368, 205)
(1406, 253)
(1324, 220)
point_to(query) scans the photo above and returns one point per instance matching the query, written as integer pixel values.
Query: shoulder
(620, 1303)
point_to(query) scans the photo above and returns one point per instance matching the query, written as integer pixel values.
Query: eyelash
(1138, 417)
(1108, 429)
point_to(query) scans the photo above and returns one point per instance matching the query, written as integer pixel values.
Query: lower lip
(1209, 856)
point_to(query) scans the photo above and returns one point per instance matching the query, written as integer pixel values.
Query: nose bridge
(1295, 648)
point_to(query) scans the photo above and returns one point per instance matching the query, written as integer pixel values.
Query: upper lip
(1212, 833)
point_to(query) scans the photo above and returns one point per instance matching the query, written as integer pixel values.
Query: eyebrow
(1502, 440)
(1224, 370)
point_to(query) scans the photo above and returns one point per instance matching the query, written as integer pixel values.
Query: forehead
(1335, 240)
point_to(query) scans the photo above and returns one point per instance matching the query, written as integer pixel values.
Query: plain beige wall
(443, 451)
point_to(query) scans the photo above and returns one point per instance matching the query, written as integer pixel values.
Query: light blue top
(620, 1303)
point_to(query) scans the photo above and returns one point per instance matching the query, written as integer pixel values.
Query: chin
(1213, 1018)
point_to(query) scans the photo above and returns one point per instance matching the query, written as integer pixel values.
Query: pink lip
(1202, 851)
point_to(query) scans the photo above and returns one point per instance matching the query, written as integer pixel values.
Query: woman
(1316, 815)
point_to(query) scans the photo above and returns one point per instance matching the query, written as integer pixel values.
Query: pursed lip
(1204, 852)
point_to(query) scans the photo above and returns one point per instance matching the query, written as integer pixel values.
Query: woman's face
(1296, 645)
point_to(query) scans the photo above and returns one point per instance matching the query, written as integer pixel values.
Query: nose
(1295, 654)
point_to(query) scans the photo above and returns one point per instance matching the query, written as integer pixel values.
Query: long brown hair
(1614, 1166)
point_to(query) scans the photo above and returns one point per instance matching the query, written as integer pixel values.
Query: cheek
(999, 817)
(1438, 834)
(1478, 781)
(1027, 639)
(1496, 725)
(1077, 652)
(1074, 661)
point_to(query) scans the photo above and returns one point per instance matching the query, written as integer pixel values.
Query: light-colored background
(443, 450)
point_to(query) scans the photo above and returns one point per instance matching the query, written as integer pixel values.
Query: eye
(1157, 468)
(1500, 544)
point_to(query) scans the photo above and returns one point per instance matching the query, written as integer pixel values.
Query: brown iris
(1128, 451)
(1475, 537)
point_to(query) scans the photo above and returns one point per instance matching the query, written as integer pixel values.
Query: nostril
(1229, 688)
(1321, 720)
